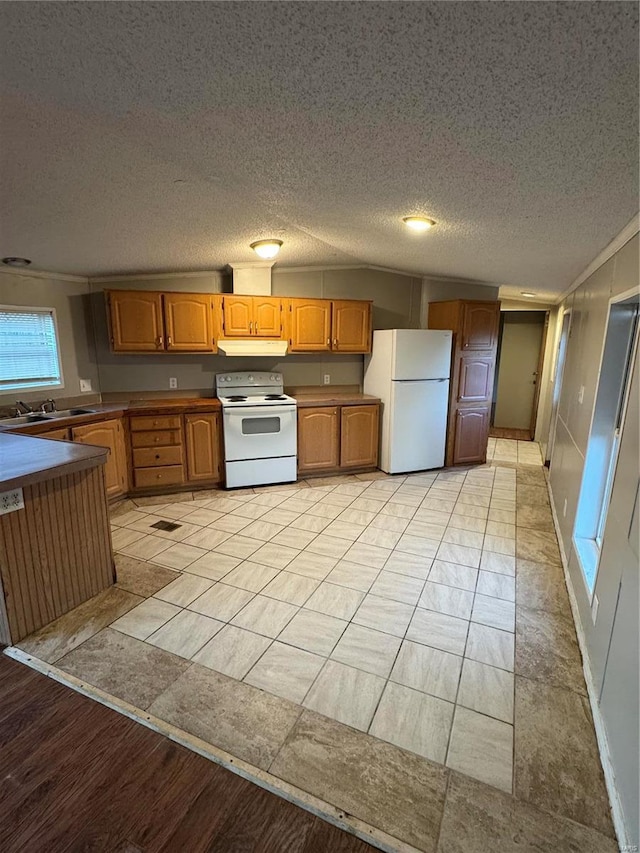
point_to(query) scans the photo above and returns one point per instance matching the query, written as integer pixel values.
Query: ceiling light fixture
(528, 294)
(16, 262)
(418, 223)
(266, 249)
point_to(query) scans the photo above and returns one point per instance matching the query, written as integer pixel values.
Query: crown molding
(25, 272)
(629, 231)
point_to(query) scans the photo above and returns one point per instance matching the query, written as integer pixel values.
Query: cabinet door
(351, 326)
(136, 320)
(475, 379)
(188, 322)
(107, 434)
(472, 430)
(267, 317)
(202, 437)
(318, 438)
(238, 316)
(310, 329)
(359, 437)
(57, 434)
(480, 325)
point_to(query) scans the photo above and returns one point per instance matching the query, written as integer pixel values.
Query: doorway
(519, 365)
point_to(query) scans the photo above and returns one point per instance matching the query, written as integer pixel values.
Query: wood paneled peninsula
(55, 551)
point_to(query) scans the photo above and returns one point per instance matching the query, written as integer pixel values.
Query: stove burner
(275, 397)
(237, 398)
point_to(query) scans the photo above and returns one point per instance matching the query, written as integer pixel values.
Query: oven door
(259, 432)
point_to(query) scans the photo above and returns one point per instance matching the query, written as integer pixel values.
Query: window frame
(34, 309)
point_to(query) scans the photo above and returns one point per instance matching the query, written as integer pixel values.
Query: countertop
(330, 398)
(25, 460)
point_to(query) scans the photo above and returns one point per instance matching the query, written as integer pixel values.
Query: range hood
(252, 279)
(252, 347)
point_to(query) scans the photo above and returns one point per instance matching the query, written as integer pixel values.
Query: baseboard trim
(598, 721)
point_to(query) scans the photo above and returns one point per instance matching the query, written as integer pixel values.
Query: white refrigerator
(409, 370)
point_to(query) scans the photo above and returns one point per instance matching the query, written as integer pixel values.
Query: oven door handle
(257, 411)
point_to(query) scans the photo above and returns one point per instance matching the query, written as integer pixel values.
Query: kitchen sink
(25, 419)
(69, 413)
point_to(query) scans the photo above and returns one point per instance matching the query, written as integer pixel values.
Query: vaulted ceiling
(167, 136)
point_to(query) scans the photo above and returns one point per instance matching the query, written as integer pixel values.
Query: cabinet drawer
(170, 475)
(148, 457)
(159, 438)
(149, 422)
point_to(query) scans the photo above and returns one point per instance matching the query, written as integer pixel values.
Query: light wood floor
(79, 776)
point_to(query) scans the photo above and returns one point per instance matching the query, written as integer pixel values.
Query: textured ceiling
(167, 136)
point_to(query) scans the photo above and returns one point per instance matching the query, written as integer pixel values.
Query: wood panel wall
(55, 553)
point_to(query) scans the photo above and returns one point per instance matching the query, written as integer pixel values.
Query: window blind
(28, 348)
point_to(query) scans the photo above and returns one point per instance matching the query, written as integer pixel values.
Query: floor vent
(169, 526)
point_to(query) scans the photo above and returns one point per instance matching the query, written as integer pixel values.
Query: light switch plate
(11, 501)
(581, 394)
(85, 385)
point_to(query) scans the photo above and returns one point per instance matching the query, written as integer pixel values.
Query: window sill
(588, 556)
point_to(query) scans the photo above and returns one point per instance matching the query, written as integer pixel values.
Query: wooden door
(238, 316)
(136, 320)
(188, 322)
(475, 378)
(480, 325)
(351, 326)
(107, 434)
(472, 428)
(318, 438)
(267, 317)
(310, 325)
(359, 437)
(202, 436)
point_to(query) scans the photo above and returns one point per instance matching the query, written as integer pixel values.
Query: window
(29, 353)
(604, 438)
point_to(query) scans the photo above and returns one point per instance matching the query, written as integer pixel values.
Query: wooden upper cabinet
(249, 316)
(318, 438)
(189, 322)
(267, 316)
(359, 436)
(136, 320)
(351, 326)
(238, 316)
(480, 322)
(202, 439)
(310, 325)
(107, 434)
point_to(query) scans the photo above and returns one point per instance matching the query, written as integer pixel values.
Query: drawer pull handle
(156, 439)
(158, 476)
(159, 341)
(169, 341)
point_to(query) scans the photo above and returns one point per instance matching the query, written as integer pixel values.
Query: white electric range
(259, 428)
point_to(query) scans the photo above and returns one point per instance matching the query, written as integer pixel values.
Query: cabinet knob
(328, 342)
(157, 456)
(156, 439)
(335, 342)
(169, 341)
(158, 476)
(159, 341)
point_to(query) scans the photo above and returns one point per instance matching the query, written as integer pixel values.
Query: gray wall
(71, 302)
(612, 637)
(396, 303)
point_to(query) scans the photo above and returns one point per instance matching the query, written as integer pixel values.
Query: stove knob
(251, 379)
(272, 378)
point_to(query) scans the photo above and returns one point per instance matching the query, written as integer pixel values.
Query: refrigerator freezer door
(417, 426)
(421, 354)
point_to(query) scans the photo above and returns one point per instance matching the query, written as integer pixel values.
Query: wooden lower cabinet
(332, 438)
(359, 436)
(470, 440)
(58, 434)
(203, 447)
(108, 434)
(318, 438)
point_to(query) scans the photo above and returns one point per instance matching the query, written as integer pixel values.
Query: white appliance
(259, 427)
(409, 370)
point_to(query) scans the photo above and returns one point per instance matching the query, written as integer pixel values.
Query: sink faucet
(50, 403)
(23, 407)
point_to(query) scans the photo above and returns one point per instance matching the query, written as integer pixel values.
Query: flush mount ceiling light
(528, 294)
(16, 262)
(418, 223)
(266, 249)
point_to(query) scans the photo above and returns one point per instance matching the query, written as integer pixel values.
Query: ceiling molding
(161, 275)
(630, 230)
(59, 276)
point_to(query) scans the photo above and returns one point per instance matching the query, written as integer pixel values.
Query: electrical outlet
(564, 509)
(327, 379)
(85, 385)
(11, 501)
(581, 394)
(594, 609)
(173, 382)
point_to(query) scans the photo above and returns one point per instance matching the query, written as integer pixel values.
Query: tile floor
(385, 603)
